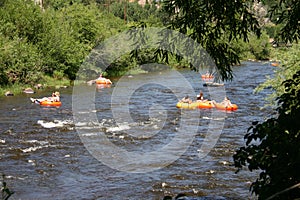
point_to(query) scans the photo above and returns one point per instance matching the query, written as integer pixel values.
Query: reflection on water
(43, 155)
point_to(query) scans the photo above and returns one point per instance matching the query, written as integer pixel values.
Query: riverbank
(16, 89)
(56, 83)
(50, 82)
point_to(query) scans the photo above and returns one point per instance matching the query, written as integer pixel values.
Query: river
(140, 147)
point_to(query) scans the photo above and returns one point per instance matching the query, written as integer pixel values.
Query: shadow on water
(43, 156)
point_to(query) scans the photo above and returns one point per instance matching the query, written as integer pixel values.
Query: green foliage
(109, 25)
(256, 48)
(36, 43)
(59, 4)
(60, 45)
(133, 12)
(3, 77)
(277, 154)
(21, 19)
(286, 13)
(19, 57)
(20, 61)
(55, 4)
(85, 28)
(121, 66)
(207, 22)
(273, 30)
(272, 147)
(289, 59)
(259, 47)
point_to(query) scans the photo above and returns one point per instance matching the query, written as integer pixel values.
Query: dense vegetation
(272, 147)
(48, 42)
(277, 154)
(36, 43)
(289, 63)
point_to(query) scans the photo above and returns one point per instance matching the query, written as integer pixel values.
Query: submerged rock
(9, 93)
(38, 86)
(91, 82)
(28, 91)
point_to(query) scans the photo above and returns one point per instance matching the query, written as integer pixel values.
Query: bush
(273, 148)
(256, 48)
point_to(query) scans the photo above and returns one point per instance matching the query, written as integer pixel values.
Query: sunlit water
(43, 155)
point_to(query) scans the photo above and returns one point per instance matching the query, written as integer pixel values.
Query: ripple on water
(44, 157)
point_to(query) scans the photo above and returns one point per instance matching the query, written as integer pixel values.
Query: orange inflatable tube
(275, 64)
(186, 105)
(194, 105)
(50, 103)
(103, 81)
(222, 107)
(207, 76)
(205, 104)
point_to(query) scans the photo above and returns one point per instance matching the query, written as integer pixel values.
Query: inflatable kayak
(222, 107)
(103, 81)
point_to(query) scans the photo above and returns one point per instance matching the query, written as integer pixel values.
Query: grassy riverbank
(49, 82)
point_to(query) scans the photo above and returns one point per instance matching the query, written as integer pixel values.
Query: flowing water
(129, 141)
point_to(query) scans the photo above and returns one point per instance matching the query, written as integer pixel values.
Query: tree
(256, 48)
(277, 154)
(19, 56)
(289, 62)
(273, 146)
(21, 19)
(286, 13)
(36, 43)
(214, 24)
(134, 12)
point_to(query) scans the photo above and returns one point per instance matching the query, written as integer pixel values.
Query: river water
(129, 141)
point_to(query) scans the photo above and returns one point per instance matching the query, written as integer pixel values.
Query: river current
(129, 141)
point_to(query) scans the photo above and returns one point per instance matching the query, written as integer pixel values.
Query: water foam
(54, 124)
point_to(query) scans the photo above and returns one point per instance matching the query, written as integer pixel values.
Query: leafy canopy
(39, 43)
(273, 146)
(289, 64)
(214, 24)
